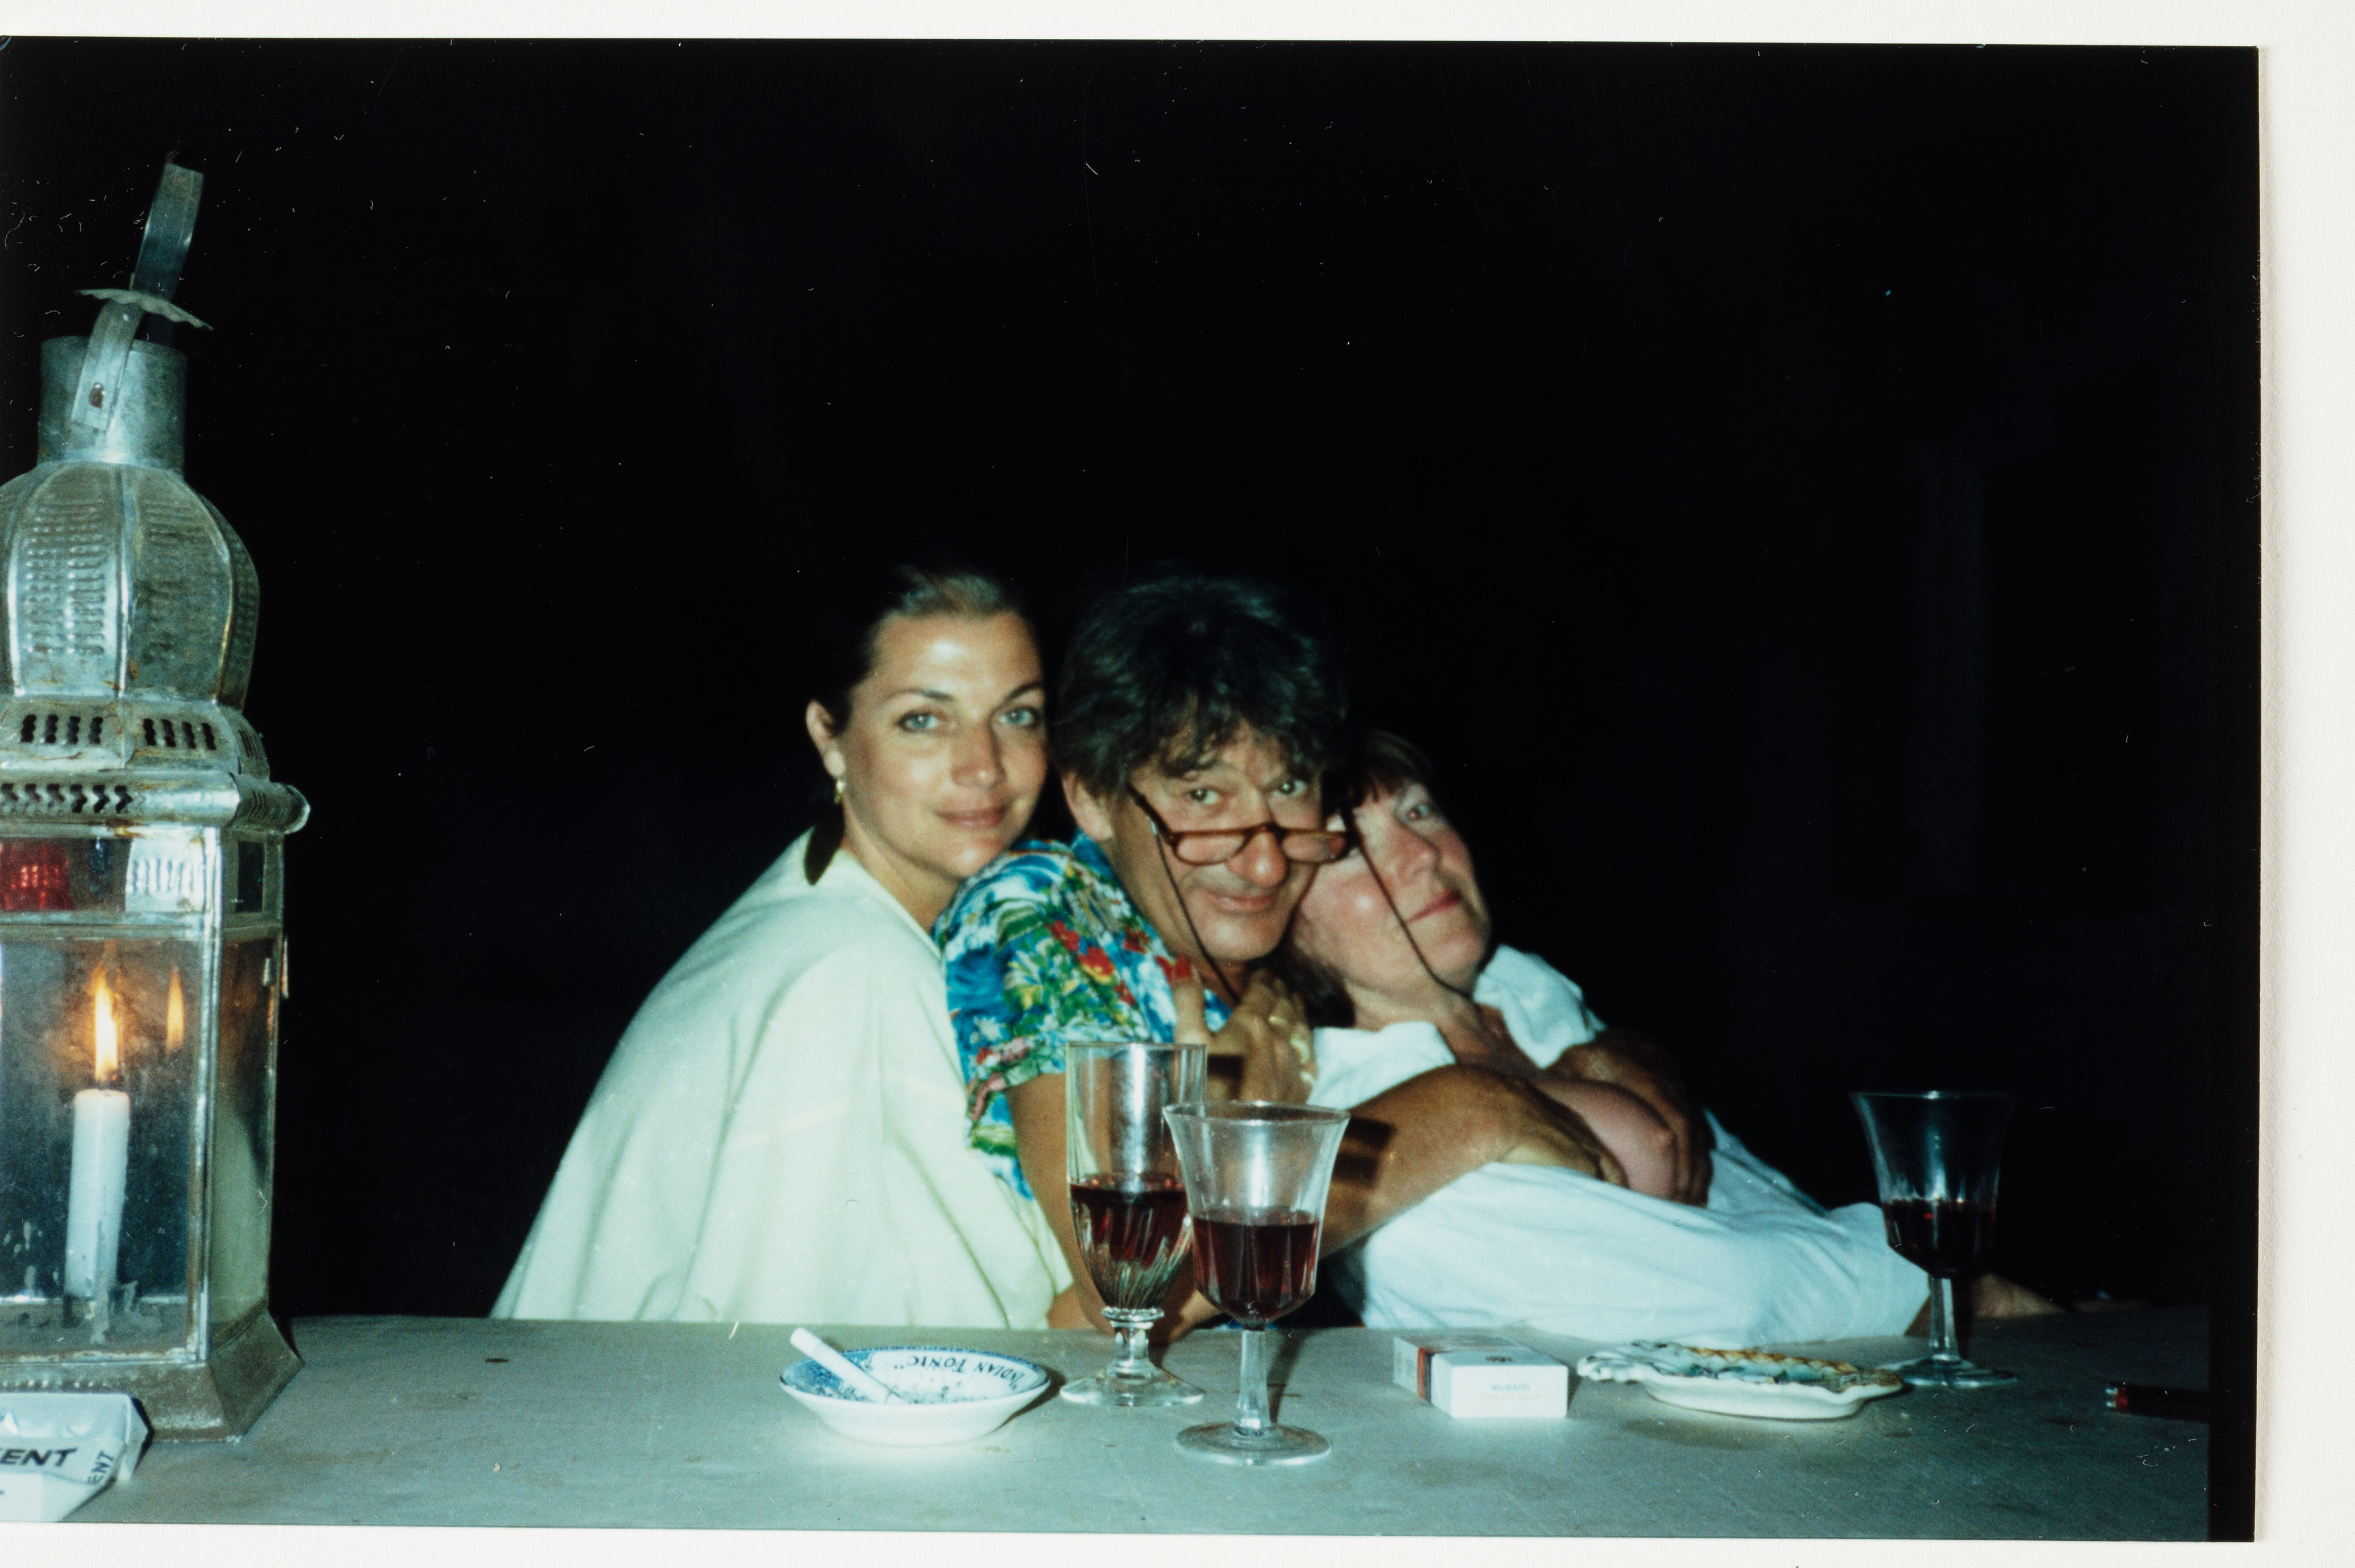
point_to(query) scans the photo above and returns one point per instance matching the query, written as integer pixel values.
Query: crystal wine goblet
(1255, 1179)
(1128, 1202)
(1936, 1156)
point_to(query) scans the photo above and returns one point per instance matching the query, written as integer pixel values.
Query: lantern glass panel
(100, 1050)
(249, 866)
(155, 871)
(241, 1131)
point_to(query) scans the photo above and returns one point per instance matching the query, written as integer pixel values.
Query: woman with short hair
(780, 1135)
(1394, 952)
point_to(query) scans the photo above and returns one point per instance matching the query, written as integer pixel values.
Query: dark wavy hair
(1166, 671)
(1377, 764)
(844, 632)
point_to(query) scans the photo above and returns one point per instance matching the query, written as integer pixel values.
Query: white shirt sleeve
(1543, 1008)
(1353, 1066)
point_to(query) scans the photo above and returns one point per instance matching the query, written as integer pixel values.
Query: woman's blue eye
(1290, 788)
(919, 721)
(1023, 718)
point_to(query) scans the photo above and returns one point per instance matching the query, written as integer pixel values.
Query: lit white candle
(102, 1152)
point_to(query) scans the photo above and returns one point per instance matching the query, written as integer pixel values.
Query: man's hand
(1548, 1132)
(1409, 1141)
(1268, 1030)
(1632, 1063)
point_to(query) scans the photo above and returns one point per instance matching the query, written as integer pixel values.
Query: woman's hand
(1993, 1296)
(1068, 1311)
(1268, 1030)
(1181, 1318)
(1036, 1107)
(1184, 1309)
(1632, 1063)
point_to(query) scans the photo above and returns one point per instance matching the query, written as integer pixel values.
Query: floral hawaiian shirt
(1042, 947)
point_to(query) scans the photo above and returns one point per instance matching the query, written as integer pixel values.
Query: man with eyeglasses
(1193, 724)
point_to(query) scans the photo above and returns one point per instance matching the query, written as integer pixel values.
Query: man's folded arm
(1411, 1140)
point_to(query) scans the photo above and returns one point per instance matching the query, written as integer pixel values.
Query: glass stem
(1250, 1399)
(1943, 1344)
(1130, 1341)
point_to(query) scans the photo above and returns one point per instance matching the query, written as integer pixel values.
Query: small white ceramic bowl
(953, 1395)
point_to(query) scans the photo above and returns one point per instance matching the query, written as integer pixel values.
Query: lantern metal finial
(162, 251)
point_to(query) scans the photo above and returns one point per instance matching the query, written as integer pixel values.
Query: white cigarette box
(1481, 1375)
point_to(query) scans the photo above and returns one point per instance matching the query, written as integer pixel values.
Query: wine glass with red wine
(1255, 1180)
(1936, 1156)
(1128, 1202)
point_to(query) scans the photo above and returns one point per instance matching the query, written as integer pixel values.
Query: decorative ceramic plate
(1742, 1383)
(953, 1395)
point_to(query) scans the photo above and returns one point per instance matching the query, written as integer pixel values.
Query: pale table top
(447, 1421)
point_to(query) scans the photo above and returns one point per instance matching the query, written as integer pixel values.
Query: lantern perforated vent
(61, 726)
(65, 800)
(183, 735)
(132, 734)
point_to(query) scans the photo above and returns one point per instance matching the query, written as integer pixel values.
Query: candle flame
(176, 1022)
(107, 1063)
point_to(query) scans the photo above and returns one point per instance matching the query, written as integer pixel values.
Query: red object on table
(34, 875)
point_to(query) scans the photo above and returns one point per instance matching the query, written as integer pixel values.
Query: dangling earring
(838, 788)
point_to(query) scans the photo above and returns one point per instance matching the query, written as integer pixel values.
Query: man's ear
(1094, 816)
(822, 735)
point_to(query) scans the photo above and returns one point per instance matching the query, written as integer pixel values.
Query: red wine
(1133, 1232)
(1258, 1264)
(1948, 1237)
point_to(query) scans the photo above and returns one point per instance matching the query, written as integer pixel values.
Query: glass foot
(1936, 1371)
(1149, 1389)
(1226, 1443)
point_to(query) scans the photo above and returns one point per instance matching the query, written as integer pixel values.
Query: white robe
(780, 1137)
(1555, 1250)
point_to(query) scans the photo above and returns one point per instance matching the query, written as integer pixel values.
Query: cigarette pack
(57, 1449)
(1481, 1375)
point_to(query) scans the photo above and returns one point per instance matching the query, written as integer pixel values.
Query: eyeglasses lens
(1303, 846)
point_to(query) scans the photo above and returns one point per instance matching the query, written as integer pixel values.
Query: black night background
(1806, 497)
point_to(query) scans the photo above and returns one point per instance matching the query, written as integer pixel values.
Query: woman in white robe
(1395, 940)
(780, 1135)
(1552, 1249)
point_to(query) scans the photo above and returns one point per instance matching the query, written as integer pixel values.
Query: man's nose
(1261, 861)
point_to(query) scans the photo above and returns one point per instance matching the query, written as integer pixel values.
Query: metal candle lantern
(142, 954)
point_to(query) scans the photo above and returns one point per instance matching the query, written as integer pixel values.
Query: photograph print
(1626, 675)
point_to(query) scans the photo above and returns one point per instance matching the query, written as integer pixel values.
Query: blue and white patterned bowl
(953, 1395)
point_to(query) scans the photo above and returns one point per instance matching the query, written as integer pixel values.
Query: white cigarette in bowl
(841, 1366)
